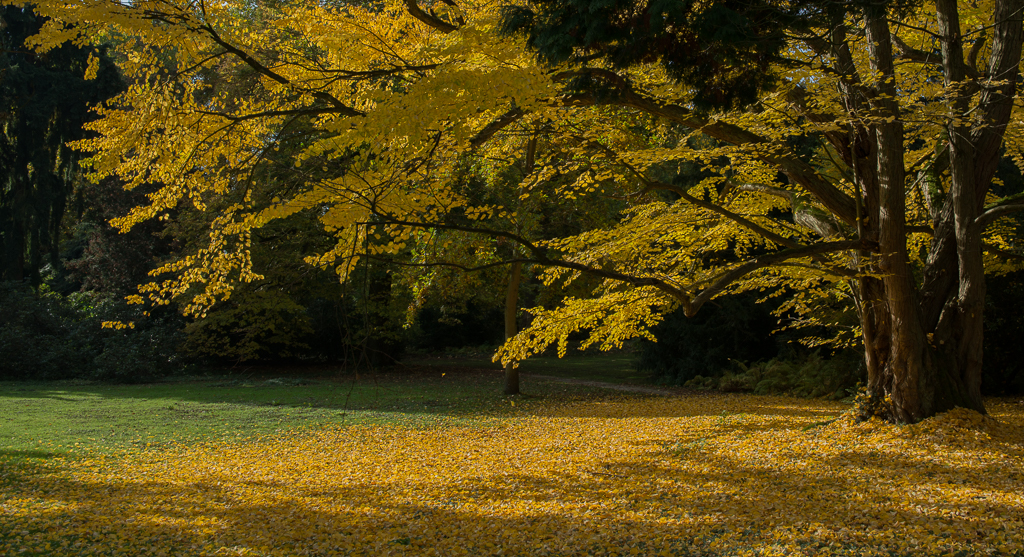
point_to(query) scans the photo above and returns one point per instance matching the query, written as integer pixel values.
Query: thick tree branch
(972, 56)
(690, 303)
(271, 113)
(429, 19)
(920, 229)
(842, 205)
(540, 257)
(681, 192)
(459, 266)
(997, 93)
(767, 260)
(797, 98)
(1002, 208)
(742, 221)
(832, 198)
(340, 107)
(361, 74)
(497, 125)
(777, 192)
(1002, 253)
(910, 54)
(617, 80)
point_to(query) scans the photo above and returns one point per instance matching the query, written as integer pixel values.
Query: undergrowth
(808, 376)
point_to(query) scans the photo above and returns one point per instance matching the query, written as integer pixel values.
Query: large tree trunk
(966, 350)
(903, 384)
(924, 348)
(922, 327)
(904, 375)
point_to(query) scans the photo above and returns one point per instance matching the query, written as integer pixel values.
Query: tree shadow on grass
(400, 392)
(741, 489)
(421, 393)
(719, 507)
(20, 454)
(728, 408)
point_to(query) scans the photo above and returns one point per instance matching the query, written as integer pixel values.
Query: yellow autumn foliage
(372, 108)
(706, 475)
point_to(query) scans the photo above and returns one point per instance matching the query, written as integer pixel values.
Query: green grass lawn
(51, 418)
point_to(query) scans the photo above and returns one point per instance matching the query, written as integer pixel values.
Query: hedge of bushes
(44, 335)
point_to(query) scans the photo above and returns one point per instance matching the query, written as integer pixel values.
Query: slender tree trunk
(514, 278)
(511, 311)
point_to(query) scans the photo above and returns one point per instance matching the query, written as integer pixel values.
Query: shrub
(44, 335)
(808, 375)
(264, 324)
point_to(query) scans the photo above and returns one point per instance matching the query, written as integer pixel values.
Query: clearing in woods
(431, 461)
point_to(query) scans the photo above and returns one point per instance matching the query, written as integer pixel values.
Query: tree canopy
(826, 148)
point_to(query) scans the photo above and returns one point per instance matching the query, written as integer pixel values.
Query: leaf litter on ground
(687, 475)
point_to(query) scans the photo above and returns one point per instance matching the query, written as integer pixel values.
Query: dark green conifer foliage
(44, 103)
(724, 50)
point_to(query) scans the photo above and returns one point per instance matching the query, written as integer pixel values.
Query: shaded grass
(616, 367)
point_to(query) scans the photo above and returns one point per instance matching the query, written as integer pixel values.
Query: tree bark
(511, 311)
(514, 278)
(932, 358)
(903, 376)
(967, 318)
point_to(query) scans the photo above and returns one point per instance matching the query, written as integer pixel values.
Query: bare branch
(972, 56)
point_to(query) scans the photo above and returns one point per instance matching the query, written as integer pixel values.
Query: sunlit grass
(61, 417)
(696, 475)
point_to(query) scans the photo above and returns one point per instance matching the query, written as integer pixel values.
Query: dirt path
(604, 385)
